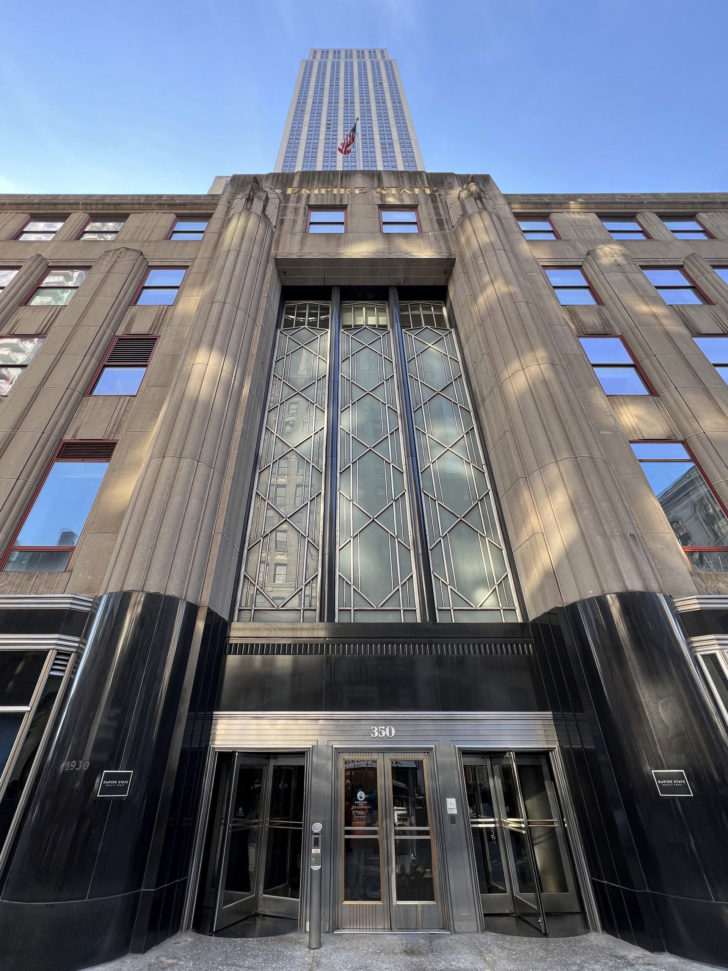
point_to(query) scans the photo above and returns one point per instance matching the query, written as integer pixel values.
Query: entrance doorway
(387, 873)
(258, 819)
(520, 848)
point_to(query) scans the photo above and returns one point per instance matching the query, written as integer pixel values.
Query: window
(722, 272)
(39, 229)
(621, 227)
(685, 228)
(537, 229)
(393, 220)
(189, 229)
(50, 529)
(160, 286)
(716, 350)
(16, 353)
(614, 366)
(570, 285)
(673, 285)
(124, 366)
(387, 374)
(697, 518)
(326, 220)
(57, 288)
(102, 229)
(6, 276)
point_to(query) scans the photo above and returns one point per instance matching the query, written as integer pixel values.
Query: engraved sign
(671, 782)
(114, 784)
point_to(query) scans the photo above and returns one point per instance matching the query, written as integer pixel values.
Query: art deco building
(381, 500)
(336, 88)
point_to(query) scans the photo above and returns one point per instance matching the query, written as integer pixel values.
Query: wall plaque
(114, 784)
(671, 782)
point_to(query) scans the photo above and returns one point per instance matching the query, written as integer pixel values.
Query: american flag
(348, 142)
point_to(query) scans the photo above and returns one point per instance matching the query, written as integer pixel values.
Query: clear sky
(545, 95)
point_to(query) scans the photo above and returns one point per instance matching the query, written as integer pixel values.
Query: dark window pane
(620, 380)
(119, 380)
(678, 296)
(708, 561)
(717, 673)
(660, 450)
(162, 277)
(63, 504)
(40, 561)
(605, 350)
(714, 348)
(51, 297)
(9, 725)
(665, 277)
(19, 673)
(158, 297)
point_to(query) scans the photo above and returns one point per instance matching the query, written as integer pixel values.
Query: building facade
(335, 89)
(415, 528)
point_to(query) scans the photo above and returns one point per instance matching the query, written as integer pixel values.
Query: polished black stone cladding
(627, 698)
(89, 878)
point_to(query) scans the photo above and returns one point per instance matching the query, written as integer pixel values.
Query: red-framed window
(320, 220)
(103, 228)
(41, 228)
(624, 227)
(16, 353)
(189, 228)
(160, 286)
(399, 219)
(715, 348)
(124, 365)
(696, 514)
(683, 227)
(674, 285)
(722, 272)
(614, 366)
(570, 285)
(535, 227)
(50, 528)
(57, 287)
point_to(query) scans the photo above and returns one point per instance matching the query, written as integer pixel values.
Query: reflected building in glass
(371, 498)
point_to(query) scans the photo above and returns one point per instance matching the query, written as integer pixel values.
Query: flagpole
(359, 156)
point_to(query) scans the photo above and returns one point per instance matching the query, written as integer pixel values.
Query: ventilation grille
(131, 350)
(403, 649)
(60, 665)
(86, 451)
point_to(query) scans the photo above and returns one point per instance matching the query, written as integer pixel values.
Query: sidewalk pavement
(397, 952)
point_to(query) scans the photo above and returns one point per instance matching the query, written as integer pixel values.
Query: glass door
(259, 818)
(519, 843)
(388, 876)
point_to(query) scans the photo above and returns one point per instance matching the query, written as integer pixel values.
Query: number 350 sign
(382, 731)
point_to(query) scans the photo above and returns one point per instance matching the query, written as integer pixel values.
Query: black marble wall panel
(127, 709)
(628, 699)
(381, 683)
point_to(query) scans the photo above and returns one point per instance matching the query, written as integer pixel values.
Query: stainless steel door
(519, 844)
(387, 860)
(260, 810)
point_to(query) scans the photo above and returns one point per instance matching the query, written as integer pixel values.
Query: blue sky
(545, 95)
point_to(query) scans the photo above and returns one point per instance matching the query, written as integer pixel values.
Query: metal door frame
(388, 911)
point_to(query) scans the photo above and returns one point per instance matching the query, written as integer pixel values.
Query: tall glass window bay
(283, 558)
(376, 579)
(470, 574)
(369, 423)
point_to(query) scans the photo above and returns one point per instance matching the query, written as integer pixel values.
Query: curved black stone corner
(91, 878)
(627, 698)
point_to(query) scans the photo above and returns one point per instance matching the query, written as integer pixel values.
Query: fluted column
(167, 535)
(571, 529)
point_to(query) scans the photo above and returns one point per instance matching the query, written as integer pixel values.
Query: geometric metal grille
(470, 574)
(283, 561)
(375, 568)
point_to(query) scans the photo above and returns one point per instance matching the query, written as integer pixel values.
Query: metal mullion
(415, 506)
(328, 596)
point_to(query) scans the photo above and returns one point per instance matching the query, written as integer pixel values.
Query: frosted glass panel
(470, 576)
(282, 563)
(375, 560)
